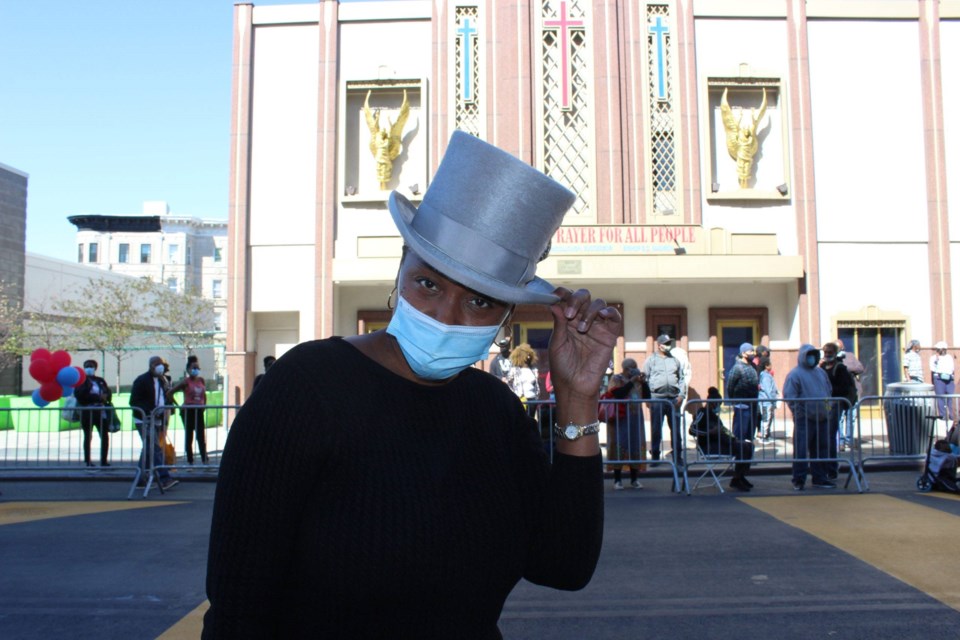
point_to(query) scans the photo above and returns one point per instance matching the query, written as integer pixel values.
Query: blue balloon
(68, 377)
(67, 391)
(37, 400)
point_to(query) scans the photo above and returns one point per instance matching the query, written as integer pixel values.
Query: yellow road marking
(900, 538)
(16, 512)
(189, 627)
(945, 496)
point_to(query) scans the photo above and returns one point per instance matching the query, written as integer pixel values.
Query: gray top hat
(486, 221)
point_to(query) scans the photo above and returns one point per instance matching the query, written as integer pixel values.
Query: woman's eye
(482, 303)
(426, 283)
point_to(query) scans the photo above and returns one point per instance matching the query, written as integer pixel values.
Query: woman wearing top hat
(415, 515)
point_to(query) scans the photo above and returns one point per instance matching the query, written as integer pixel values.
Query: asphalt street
(78, 560)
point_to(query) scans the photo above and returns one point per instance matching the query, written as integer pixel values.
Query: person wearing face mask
(743, 383)
(414, 514)
(664, 375)
(841, 386)
(194, 389)
(92, 395)
(805, 391)
(147, 393)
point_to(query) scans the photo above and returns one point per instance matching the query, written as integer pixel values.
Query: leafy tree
(185, 318)
(11, 326)
(107, 315)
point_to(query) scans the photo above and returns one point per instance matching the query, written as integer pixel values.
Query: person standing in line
(524, 378)
(848, 418)
(841, 386)
(912, 364)
(665, 377)
(267, 363)
(147, 393)
(453, 500)
(769, 396)
(942, 369)
(623, 443)
(501, 365)
(743, 383)
(192, 409)
(92, 395)
(805, 391)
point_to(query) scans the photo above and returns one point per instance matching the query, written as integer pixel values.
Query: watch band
(572, 431)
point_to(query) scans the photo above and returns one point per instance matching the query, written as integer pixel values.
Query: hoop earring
(390, 299)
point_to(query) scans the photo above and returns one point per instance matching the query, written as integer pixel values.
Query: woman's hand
(584, 334)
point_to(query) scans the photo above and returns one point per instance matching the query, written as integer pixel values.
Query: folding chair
(712, 462)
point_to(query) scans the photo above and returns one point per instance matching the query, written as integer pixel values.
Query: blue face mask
(437, 351)
(89, 371)
(811, 360)
(194, 372)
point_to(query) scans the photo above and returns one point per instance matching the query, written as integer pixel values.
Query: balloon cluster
(55, 375)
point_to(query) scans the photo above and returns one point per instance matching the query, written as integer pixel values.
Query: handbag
(169, 454)
(110, 419)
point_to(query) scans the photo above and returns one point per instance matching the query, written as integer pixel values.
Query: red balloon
(42, 371)
(83, 376)
(51, 391)
(40, 354)
(60, 359)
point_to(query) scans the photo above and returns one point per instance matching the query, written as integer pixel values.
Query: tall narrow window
(92, 258)
(124, 253)
(173, 253)
(172, 284)
(189, 258)
(663, 149)
(217, 287)
(566, 109)
(466, 71)
(80, 252)
(217, 255)
(144, 254)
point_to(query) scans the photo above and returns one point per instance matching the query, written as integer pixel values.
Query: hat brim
(537, 291)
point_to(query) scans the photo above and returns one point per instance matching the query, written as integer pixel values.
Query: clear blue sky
(108, 103)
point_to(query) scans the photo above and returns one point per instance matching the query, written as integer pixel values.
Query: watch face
(571, 432)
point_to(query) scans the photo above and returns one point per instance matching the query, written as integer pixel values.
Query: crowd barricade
(51, 439)
(771, 427)
(167, 426)
(624, 428)
(900, 428)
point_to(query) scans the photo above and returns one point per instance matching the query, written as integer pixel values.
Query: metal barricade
(167, 424)
(624, 437)
(900, 427)
(54, 439)
(751, 419)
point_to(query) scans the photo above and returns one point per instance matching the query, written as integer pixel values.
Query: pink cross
(564, 25)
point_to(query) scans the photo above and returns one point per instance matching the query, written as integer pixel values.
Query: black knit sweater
(353, 503)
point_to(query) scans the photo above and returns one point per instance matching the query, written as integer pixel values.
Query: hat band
(473, 250)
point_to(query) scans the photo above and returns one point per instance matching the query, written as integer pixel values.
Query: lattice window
(662, 121)
(466, 71)
(566, 105)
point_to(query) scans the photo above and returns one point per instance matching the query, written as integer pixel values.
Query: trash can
(907, 405)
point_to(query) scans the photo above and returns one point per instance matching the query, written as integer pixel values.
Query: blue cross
(660, 30)
(467, 31)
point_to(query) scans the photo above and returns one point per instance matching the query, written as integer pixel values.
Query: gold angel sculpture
(385, 143)
(742, 143)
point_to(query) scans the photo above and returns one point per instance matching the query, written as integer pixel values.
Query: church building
(771, 171)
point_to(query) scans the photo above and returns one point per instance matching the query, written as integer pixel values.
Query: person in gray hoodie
(805, 391)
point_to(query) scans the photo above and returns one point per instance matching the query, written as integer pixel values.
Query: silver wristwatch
(576, 431)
